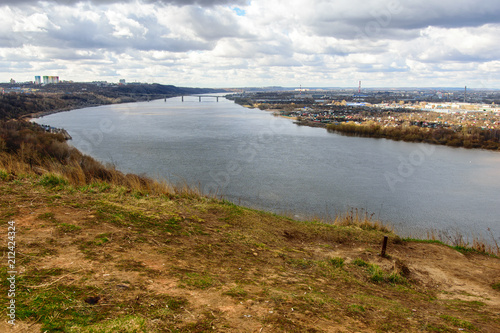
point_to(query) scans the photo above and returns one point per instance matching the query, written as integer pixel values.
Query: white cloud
(209, 43)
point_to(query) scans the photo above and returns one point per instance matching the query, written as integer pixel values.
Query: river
(255, 159)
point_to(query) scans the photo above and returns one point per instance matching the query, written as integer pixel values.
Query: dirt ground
(197, 265)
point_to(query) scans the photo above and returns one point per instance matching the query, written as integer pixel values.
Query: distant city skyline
(240, 43)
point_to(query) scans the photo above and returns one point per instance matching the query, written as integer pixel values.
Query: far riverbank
(470, 137)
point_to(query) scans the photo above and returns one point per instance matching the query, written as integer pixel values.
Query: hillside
(106, 258)
(65, 96)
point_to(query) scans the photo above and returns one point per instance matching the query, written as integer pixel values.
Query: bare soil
(194, 264)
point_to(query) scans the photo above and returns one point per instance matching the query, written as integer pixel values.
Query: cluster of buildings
(47, 79)
(444, 107)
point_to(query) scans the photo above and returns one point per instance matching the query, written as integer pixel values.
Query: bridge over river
(204, 96)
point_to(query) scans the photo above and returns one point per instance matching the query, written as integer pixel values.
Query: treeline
(13, 106)
(158, 89)
(467, 137)
(71, 96)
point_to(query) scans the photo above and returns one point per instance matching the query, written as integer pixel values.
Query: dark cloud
(10, 41)
(400, 19)
(203, 3)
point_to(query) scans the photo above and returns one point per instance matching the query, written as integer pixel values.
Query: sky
(254, 43)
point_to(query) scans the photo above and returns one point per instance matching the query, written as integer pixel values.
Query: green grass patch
(199, 281)
(427, 241)
(360, 262)
(122, 217)
(96, 187)
(68, 228)
(52, 180)
(88, 247)
(355, 308)
(336, 262)
(175, 303)
(496, 286)
(396, 278)
(236, 292)
(4, 175)
(101, 239)
(301, 263)
(376, 274)
(459, 322)
(124, 324)
(460, 248)
(59, 309)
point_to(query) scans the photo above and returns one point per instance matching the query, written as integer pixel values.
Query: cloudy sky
(236, 43)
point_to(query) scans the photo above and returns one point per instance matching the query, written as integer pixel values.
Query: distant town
(432, 108)
(54, 84)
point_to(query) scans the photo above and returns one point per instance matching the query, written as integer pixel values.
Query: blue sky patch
(239, 11)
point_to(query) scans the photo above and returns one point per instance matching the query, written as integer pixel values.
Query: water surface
(267, 162)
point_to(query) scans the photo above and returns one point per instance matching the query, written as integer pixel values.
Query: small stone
(123, 286)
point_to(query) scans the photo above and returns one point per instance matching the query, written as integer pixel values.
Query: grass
(237, 292)
(375, 273)
(199, 281)
(357, 309)
(125, 324)
(53, 180)
(459, 323)
(49, 216)
(68, 228)
(360, 262)
(337, 262)
(478, 246)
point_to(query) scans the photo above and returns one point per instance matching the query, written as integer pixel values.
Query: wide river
(258, 160)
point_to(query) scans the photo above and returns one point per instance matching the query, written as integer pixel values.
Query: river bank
(470, 138)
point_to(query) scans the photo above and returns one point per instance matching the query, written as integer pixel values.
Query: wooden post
(384, 246)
